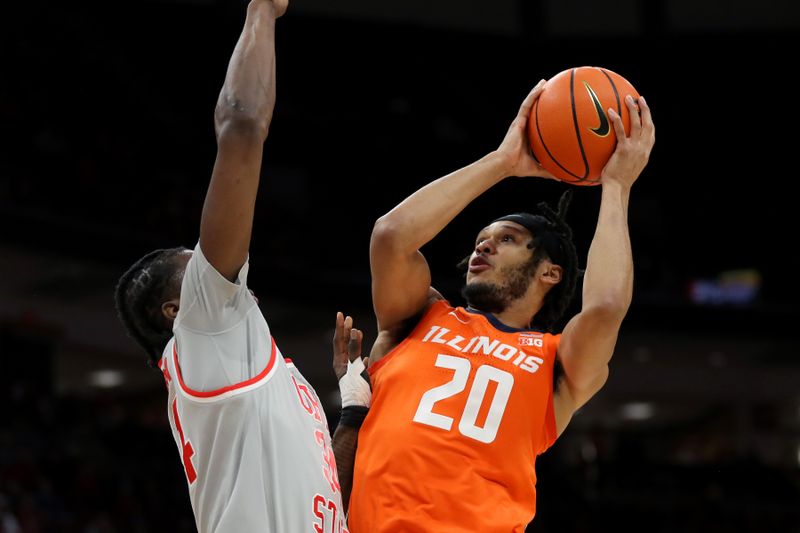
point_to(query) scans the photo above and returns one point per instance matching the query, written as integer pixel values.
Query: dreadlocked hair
(560, 296)
(138, 296)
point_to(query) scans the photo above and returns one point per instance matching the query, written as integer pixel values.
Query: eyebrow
(515, 229)
(507, 227)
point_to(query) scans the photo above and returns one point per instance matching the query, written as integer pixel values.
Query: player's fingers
(636, 120)
(347, 326)
(616, 121)
(527, 104)
(339, 347)
(337, 330)
(354, 346)
(644, 111)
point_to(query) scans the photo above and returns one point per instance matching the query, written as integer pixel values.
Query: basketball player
(465, 398)
(250, 431)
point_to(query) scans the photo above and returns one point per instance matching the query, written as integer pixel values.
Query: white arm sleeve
(221, 336)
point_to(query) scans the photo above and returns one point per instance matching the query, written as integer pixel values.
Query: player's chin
(480, 276)
(478, 284)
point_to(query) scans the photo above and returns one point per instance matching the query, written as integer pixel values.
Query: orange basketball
(569, 129)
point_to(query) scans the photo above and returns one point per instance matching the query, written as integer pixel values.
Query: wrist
(353, 416)
(354, 386)
(499, 163)
(613, 185)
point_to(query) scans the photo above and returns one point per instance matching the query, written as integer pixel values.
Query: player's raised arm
(241, 119)
(589, 338)
(400, 274)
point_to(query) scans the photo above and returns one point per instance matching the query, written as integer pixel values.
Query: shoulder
(389, 338)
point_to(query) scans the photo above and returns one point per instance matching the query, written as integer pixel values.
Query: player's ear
(552, 274)
(170, 308)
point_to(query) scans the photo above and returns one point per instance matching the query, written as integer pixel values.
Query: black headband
(542, 230)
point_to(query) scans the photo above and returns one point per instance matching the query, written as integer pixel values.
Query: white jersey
(251, 432)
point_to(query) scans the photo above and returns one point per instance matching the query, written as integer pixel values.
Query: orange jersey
(460, 410)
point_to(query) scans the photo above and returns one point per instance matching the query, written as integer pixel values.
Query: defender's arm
(242, 117)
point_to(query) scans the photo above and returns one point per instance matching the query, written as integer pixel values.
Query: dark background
(106, 147)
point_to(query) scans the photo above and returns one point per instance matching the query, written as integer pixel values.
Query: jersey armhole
(230, 390)
(550, 431)
(437, 303)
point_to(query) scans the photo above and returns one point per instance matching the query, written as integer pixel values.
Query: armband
(353, 416)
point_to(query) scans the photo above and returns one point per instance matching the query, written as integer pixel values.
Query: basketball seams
(614, 88)
(567, 145)
(544, 144)
(577, 128)
(580, 146)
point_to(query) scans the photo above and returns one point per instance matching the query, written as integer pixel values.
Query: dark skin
(242, 117)
(346, 347)
(241, 122)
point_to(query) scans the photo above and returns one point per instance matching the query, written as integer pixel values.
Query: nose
(486, 246)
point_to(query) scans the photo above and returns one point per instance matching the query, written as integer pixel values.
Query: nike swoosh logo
(604, 127)
(456, 317)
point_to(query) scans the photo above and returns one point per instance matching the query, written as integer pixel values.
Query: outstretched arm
(241, 121)
(588, 340)
(400, 274)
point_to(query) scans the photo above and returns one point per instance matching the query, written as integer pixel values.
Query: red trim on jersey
(223, 390)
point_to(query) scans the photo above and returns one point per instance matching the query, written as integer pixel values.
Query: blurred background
(106, 147)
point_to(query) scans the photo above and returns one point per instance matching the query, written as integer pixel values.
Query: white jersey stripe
(231, 390)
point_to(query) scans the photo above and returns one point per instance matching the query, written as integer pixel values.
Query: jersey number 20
(468, 425)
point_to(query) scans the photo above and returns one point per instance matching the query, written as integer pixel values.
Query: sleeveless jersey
(256, 451)
(460, 410)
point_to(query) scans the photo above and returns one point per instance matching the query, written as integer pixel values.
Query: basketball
(569, 130)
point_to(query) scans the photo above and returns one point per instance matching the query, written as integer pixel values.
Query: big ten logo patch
(531, 339)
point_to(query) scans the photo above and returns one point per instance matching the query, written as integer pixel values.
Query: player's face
(499, 247)
(501, 268)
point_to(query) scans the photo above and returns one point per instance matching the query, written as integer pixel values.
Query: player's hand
(346, 344)
(350, 369)
(515, 148)
(633, 151)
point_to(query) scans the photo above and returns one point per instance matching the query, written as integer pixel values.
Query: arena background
(106, 147)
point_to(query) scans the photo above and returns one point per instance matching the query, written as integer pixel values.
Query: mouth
(479, 264)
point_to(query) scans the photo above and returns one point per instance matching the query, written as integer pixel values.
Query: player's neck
(518, 314)
(514, 318)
